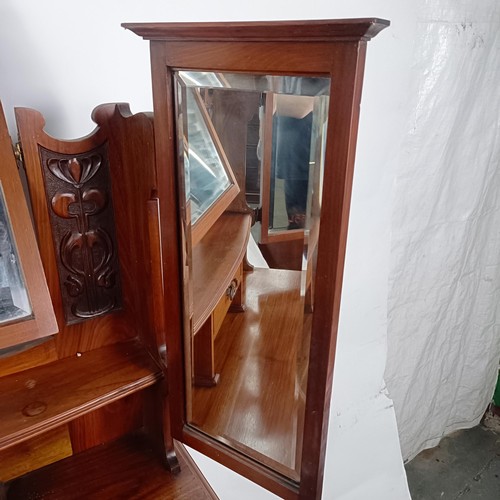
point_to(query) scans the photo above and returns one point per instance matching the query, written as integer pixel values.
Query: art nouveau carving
(81, 213)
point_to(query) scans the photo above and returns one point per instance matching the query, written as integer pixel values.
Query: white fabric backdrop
(444, 280)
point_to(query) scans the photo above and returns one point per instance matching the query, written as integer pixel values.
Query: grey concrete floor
(465, 466)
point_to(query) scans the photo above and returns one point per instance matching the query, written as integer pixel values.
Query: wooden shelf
(127, 468)
(42, 398)
(215, 261)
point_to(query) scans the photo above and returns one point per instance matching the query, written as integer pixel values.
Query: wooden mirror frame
(42, 321)
(334, 49)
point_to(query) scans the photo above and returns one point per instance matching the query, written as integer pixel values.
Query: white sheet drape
(444, 282)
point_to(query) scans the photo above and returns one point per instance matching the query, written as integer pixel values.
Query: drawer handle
(232, 288)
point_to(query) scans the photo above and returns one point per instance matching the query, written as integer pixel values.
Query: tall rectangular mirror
(252, 301)
(256, 332)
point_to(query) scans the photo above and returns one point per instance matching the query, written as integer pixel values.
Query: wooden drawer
(224, 303)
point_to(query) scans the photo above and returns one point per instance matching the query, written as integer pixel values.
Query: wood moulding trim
(262, 31)
(42, 398)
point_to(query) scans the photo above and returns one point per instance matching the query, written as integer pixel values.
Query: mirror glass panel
(14, 302)
(248, 327)
(205, 176)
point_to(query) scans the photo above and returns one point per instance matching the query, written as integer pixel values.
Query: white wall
(63, 58)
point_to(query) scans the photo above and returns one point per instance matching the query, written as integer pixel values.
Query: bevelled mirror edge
(18, 235)
(341, 142)
(268, 293)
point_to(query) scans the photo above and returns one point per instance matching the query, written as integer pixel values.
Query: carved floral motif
(78, 194)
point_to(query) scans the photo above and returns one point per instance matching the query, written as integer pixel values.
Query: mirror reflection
(14, 302)
(248, 282)
(206, 176)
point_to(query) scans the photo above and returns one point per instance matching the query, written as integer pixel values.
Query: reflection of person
(292, 127)
(290, 161)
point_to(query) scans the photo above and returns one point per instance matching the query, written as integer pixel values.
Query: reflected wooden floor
(258, 405)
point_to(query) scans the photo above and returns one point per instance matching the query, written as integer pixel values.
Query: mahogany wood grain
(156, 406)
(35, 453)
(264, 31)
(107, 423)
(157, 425)
(129, 143)
(83, 336)
(289, 58)
(41, 321)
(284, 254)
(339, 166)
(39, 399)
(133, 178)
(174, 266)
(40, 354)
(204, 373)
(127, 468)
(215, 261)
(157, 304)
(334, 49)
(230, 302)
(130, 149)
(257, 403)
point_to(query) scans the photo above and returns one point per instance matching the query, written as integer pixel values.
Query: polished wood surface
(284, 254)
(41, 322)
(204, 370)
(107, 422)
(203, 362)
(265, 31)
(332, 239)
(35, 355)
(90, 366)
(127, 468)
(334, 49)
(258, 404)
(130, 149)
(39, 399)
(215, 262)
(35, 453)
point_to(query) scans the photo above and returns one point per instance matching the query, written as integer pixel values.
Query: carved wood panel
(80, 207)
